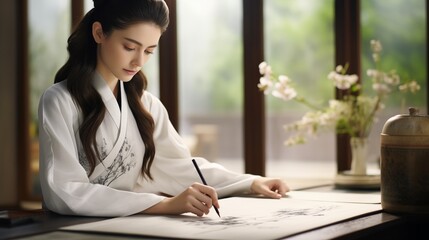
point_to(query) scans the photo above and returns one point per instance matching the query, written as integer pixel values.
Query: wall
(8, 105)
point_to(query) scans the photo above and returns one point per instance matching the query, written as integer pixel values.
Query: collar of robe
(120, 118)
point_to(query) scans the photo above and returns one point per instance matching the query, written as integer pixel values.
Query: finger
(216, 203)
(279, 187)
(199, 199)
(203, 204)
(205, 189)
(270, 193)
(273, 189)
(213, 198)
(209, 192)
(283, 189)
(205, 199)
(195, 210)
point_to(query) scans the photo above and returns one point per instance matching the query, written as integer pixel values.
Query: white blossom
(284, 79)
(341, 81)
(392, 78)
(376, 75)
(265, 69)
(381, 88)
(339, 68)
(376, 46)
(265, 84)
(412, 87)
(284, 92)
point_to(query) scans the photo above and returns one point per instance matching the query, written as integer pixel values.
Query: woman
(107, 147)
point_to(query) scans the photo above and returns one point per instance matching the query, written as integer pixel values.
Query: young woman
(107, 147)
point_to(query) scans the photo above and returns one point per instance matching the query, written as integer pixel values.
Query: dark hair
(80, 69)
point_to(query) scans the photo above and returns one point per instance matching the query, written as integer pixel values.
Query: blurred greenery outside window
(400, 26)
(49, 28)
(299, 43)
(210, 53)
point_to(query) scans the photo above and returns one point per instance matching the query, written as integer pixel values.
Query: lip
(130, 72)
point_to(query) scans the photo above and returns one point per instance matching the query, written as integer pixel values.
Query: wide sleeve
(65, 185)
(172, 168)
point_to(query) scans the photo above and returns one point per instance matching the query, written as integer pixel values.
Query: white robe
(116, 187)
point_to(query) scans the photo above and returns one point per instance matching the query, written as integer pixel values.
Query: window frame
(347, 49)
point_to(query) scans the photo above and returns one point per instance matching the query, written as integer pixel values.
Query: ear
(97, 32)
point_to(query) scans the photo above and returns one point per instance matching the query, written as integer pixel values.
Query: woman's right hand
(196, 199)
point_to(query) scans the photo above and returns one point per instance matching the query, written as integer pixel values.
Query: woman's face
(122, 53)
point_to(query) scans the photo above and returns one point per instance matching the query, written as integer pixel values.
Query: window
(49, 26)
(211, 79)
(400, 26)
(299, 42)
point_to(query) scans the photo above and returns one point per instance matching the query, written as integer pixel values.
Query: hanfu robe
(116, 187)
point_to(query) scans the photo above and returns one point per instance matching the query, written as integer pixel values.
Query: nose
(140, 59)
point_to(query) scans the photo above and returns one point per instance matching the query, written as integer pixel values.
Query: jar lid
(407, 124)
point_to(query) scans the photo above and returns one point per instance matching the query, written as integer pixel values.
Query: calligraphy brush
(204, 181)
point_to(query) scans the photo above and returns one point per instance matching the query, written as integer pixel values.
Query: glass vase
(359, 151)
(358, 177)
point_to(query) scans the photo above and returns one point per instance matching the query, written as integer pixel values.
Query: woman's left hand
(269, 187)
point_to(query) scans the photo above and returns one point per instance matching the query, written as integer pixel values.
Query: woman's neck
(111, 81)
(115, 89)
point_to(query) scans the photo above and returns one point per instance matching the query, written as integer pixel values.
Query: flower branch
(354, 114)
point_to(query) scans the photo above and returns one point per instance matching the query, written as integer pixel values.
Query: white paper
(242, 218)
(370, 198)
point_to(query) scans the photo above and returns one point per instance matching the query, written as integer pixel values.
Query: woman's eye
(148, 52)
(128, 48)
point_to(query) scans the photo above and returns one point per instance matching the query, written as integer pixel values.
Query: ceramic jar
(405, 164)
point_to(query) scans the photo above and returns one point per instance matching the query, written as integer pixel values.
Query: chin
(126, 78)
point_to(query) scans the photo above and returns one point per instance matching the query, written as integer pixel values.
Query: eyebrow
(138, 43)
